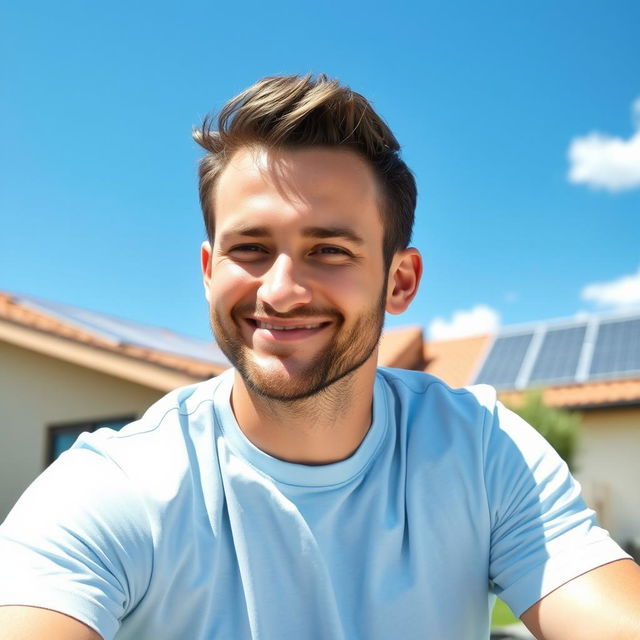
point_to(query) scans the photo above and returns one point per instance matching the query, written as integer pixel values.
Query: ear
(205, 263)
(403, 280)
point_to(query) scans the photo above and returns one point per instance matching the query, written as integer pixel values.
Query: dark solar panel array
(559, 354)
(617, 348)
(615, 354)
(503, 363)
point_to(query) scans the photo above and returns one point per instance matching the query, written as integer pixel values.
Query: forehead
(328, 185)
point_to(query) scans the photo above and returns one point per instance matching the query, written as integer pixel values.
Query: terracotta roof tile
(455, 361)
(401, 348)
(586, 395)
(14, 312)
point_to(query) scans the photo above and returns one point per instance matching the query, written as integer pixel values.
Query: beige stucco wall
(608, 467)
(36, 391)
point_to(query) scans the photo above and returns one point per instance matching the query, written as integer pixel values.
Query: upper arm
(81, 548)
(32, 623)
(543, 535)
(602, 603)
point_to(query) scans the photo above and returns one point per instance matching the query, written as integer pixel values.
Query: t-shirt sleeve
(542, 532)
(78, 541)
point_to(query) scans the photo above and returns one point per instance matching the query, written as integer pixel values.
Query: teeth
(264, 325)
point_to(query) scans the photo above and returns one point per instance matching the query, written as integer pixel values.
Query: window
(60, 437)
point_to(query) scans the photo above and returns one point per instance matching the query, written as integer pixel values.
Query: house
(589, 364)
(64, 370)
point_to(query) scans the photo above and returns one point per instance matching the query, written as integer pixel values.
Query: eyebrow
(322, 233)
(247, 230)
(332, 232)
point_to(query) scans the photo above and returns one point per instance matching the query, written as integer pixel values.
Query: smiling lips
(265, 325)
(287, 330)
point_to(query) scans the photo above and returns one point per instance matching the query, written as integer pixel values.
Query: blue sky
(517, 119)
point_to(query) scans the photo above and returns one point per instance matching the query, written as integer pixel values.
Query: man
(305, 493)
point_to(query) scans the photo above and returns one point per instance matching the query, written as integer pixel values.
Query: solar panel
(559, 355)
(503, 363)
(617, 348)
(126, 332)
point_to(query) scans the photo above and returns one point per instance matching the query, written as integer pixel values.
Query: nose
(282, 286)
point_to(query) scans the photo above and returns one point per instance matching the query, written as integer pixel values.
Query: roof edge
(149, 374)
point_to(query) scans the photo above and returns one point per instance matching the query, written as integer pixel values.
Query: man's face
(295, 278)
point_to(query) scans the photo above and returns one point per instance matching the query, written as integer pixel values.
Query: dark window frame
(77, 427)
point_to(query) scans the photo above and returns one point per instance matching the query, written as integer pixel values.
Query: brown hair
(301, 111)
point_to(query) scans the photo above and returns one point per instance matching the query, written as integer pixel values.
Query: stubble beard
(342, 355)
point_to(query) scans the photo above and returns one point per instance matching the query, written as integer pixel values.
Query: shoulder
(149, 461)
(183, 402)
(418, 384)
(160, 437)
(425, 396)
(469, 421)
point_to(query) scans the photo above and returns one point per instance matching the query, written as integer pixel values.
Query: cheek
(230, 280)
(355, 287)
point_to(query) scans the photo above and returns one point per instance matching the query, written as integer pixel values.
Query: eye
(247, 251)
(331, 253)
(333, 250)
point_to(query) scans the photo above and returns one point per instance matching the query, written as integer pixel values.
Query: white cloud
(479, 319)
(619, 293)
(607, 162)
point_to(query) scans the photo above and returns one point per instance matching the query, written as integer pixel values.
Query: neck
(326, 427)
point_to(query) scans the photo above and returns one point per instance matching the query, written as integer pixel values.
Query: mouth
(274, 329)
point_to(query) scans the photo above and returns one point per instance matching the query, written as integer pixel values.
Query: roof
(592, 395)
(588, 348)
(589, 362)
(455, 361)
(154, 357)
(402, 348)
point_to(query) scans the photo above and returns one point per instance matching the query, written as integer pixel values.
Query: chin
(278, 382)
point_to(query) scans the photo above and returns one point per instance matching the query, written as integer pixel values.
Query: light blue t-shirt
(178, 527)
